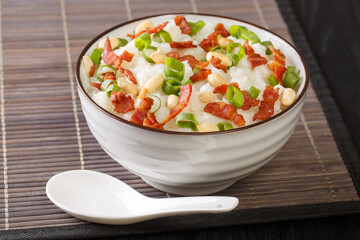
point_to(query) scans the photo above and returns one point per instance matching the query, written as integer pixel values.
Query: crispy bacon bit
(128, 74)
(156, 29)
(254, 58)
(202, 74)
(216, 62)
(278, 64)
(125, 56)
(223, 88)
(225, 111)
(187, 44)
(185, 93)
(122, 103)
(210, 42)
(109, 56)
(193, 62)
(109, 75)
(266, 108)
(141, 112)
(151, 121)
(174, 54)
(248, 101)
(220, 29)
(96, 85)
(180, 21)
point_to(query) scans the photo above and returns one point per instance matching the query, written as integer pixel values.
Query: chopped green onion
(235, 31)
(162, 35)
(142, 41)
(231, 46)
(267, 44)
(156, 105)
(218, 36)
(98, 71)
(235, 97)
(195, 70)
(224, 126)
(291, 68)
(272, 80)
(109, 86)
(253, 91)
(147, 51)
(290, 78)
(196, 27)
(96, 56)
(186, 120)
(216, 48)
(170, 86)
(234, 58)
(123, 42)
(249, 35)
(174, 68)
(186, 81)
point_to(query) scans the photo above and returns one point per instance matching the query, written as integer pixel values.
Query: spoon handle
(206, 204)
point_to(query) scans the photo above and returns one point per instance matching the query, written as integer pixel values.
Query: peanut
(288, 97)
(207, 127)
(206, 96)
(88, 66)
(114, 42)
(172, 101)
(225, 60)
(216, 80)
(143, 26)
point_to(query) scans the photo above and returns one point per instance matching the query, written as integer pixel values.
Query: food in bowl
(191, 76)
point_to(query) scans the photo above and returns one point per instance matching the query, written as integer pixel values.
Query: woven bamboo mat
(43, 130)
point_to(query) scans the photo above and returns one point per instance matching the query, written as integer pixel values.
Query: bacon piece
(202, 74)
(187, 44)
(266, 108)
(156, 29)
(180, 21)
(248, 101)
(225, 111)
(223, 88)
(185, 93)
(125, 56)
(151, 121)
(141, 112)
(254, 58)
(109, 75)
(122, 103)
(210, 42)
(278, 64)
(216, 62)
(109, 57)
(128, 74)
(96, 85)
(220, 29)
(174, 54)
(193, 62)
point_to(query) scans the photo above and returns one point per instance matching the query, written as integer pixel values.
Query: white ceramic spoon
(100, 198)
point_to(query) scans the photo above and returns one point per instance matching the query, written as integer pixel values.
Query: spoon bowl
(100, 198)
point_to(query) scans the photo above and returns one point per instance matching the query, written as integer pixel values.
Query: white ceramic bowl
(192, 163)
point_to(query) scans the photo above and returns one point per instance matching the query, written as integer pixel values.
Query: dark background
(332, 30)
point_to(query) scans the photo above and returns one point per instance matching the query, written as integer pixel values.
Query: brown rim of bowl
(79, 83)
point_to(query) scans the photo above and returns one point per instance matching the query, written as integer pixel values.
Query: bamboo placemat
(43, 130)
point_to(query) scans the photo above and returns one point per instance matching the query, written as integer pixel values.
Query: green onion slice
(174, 68)
(218, 36)
(156, 105)
(235, 97)
(272, 80)
(249, 35)
(195, 70)
(142, 41)
(186, 120)
(147, 51)
(123, 42)
(109, 86)
(162, 35)
(234, 58)
(98, 71)
(291, 68)
(291, 78)
(196, 27)
(224, 126)
(96, 56)
(186, 81)
(267, 44)
(253, 91)
(231, 46)
(216, 48)
(235, 31)
(157, 38)
(170, 86)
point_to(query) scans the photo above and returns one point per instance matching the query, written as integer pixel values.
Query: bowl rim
(83, 91)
